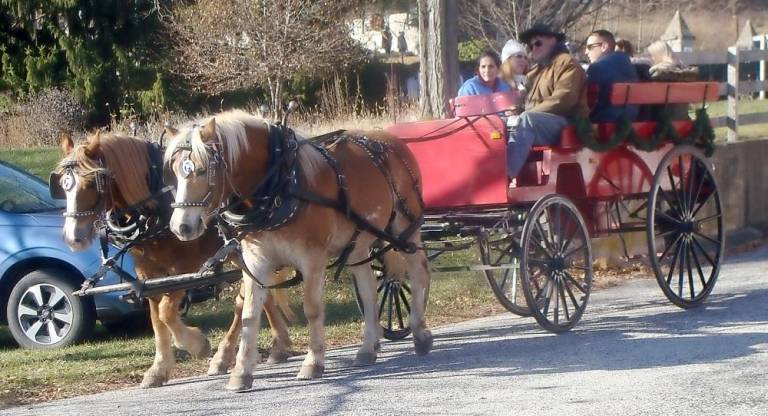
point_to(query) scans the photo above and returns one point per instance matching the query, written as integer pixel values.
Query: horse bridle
(188, 168)
(101, 179)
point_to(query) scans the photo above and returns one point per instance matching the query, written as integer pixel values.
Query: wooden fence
(734, 88)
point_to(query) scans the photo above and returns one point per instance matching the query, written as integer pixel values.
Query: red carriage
(533, 236)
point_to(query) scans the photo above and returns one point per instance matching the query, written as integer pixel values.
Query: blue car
(38, 272)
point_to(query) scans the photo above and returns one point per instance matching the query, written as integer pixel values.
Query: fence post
(733, 94)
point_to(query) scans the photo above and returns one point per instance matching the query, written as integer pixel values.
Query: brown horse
(230, 154)
(123, 165)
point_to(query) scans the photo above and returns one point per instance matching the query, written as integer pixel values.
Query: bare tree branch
(224, 45)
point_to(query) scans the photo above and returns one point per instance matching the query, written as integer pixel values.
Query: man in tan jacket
(557, 90)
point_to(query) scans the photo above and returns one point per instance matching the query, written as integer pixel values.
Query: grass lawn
(747, 106)
(39, 162)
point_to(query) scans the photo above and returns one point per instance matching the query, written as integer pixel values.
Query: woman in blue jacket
(486, 80)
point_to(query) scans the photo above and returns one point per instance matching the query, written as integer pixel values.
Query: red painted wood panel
(462, 160)
(663, 92)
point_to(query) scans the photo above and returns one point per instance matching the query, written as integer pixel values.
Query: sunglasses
(593, 45)
(535, 44)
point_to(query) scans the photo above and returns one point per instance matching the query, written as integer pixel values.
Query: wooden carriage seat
(537, 168)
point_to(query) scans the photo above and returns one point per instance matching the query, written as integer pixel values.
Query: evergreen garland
(702, 135)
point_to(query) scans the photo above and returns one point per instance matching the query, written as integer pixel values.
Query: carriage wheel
(556, 263)
(506, 284)
(685, 227)
(393, 299)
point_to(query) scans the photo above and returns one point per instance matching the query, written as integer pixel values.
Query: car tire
(43, 313)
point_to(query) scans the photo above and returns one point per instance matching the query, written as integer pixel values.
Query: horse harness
(146, 219)
(276, 199)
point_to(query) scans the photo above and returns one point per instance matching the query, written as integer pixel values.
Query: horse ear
(66, 143)
(170, 131)
(94, 142)
(208, 133)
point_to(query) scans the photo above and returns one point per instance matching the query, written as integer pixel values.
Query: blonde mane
(230, 127)
(125, 159)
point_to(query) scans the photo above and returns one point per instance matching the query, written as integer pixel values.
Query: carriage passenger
(557, 90)
(486, 81)
(514, 65)
(607, 67)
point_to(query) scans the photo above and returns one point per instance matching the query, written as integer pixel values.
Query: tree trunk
(425, 105)
(439, 56)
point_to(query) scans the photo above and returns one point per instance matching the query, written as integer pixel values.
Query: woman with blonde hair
(666, 67)
(514, 64)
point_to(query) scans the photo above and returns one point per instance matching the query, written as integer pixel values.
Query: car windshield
(23, 193)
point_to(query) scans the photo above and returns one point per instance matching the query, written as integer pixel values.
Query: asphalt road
(632, 354)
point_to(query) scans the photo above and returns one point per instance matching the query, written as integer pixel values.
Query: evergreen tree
(100, 49)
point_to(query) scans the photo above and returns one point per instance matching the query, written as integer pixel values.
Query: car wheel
(43, 313)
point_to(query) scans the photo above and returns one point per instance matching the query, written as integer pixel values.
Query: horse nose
(184, 229)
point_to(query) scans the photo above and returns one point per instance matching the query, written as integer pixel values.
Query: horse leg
(225, 354)
(160, 372)
(281, 340)
(366, 288)
(248, 352)
(187, 338)
(314, 310)
(418, 270)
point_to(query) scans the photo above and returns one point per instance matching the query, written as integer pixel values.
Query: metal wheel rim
(688, 248)
(45, 314)
(554, 255)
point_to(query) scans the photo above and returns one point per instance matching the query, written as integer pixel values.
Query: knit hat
(512, 47)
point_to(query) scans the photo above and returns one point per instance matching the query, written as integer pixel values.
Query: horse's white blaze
(190, 217)
(70, 223)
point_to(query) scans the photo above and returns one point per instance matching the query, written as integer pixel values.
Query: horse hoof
(239, 383)
(278, 357)
(152, 380)
(423, 345)
(217, 369)
(205, 351)
(309, 372)
(364, 359)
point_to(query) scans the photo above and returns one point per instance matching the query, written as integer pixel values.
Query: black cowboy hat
(540, 29)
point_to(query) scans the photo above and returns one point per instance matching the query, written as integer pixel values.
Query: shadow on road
(630, 336)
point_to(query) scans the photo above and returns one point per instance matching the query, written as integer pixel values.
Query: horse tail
(280, 296)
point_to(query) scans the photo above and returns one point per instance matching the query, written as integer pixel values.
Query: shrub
(39, 119)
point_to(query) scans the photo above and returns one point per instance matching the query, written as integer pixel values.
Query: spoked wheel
(393, 300)
(685, 227)
(556, 263)
(503, 250)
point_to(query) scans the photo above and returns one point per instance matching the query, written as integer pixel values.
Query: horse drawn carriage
(532, 236)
